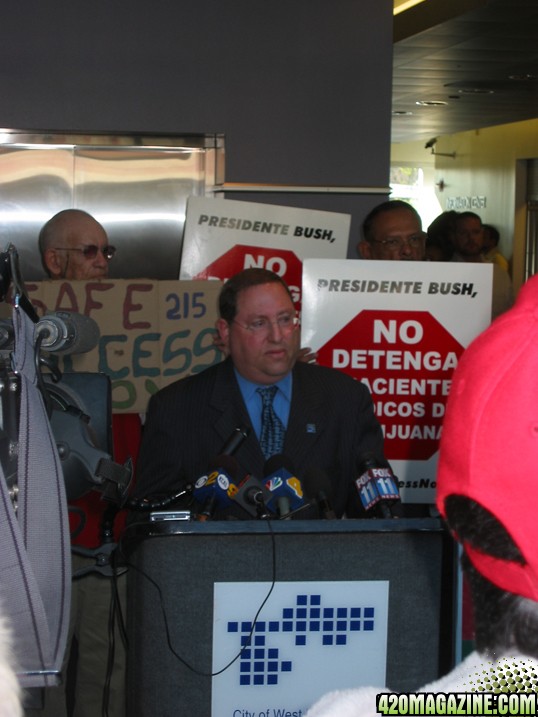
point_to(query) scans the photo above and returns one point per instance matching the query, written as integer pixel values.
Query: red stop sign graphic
(406, 358)
(282, 261)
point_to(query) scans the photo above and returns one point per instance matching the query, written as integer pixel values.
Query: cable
(115, 620)
(184, 662)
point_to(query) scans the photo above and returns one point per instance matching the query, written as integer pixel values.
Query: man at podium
(313, 418)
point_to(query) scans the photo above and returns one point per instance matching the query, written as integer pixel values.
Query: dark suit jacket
(331, 423)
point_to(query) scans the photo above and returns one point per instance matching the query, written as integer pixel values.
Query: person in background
(74, 246)
(440, 237)
(469, 244)
(490, 247)
(393, 231)
(468, 238)
(483, 493)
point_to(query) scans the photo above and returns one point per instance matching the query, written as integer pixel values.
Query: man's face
(267, 355)
(469, 239)
(67, 258)
(397, 236)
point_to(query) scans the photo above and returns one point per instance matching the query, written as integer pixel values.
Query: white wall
(489, 163)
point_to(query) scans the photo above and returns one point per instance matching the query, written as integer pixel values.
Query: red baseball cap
(489, 445)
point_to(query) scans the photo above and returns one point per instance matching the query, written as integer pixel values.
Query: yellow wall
(489, 163)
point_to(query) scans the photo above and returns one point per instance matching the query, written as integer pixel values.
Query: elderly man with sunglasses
(73, 245)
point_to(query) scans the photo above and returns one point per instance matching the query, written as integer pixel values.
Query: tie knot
(267, 393)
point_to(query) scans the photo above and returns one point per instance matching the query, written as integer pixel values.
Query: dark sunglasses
(90, 251)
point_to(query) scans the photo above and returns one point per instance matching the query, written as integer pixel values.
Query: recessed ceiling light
(523, 78)
(476, 91)
(401, 113)
(477, 87)
(431, 103)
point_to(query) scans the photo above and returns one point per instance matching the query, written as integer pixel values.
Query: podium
(176, 566)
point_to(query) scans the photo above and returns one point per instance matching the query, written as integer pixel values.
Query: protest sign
(400, 328)
(152, 332)
(223, 237)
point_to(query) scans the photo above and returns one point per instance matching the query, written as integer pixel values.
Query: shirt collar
(248, 388)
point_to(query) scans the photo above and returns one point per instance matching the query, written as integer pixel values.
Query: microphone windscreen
(252, 496)
(281, 481)
(68, 333)
(87, 334)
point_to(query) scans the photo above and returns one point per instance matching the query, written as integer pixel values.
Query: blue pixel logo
(261, 661)
(277, 647)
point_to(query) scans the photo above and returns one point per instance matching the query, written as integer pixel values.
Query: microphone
(235, 439)
(376, 486)
(204, 492)
(65, 332)
(285, 488)
(253, 496)
(318, 488)
(217, 488)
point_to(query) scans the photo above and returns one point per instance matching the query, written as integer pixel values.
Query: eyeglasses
(90, 251)
(394, 243)
(285, 322)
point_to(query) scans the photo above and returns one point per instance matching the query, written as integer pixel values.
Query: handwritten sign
(152, 333)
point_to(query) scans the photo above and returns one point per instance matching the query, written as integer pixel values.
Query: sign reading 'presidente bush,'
(223, 237)
(400, 328)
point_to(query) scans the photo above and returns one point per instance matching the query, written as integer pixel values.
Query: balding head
(393, 231)
(64, 243)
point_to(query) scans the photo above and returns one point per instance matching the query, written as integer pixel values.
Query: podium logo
(261, 662)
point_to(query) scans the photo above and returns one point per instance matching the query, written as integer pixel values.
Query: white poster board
(223, 237)
(400, 328)
(334, 630)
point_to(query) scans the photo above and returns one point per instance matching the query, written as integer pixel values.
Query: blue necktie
(272, 431)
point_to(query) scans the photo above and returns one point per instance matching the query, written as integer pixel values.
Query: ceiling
(478, 57)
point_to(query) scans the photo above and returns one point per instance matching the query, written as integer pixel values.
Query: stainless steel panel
(140, 196)
(35, 183)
